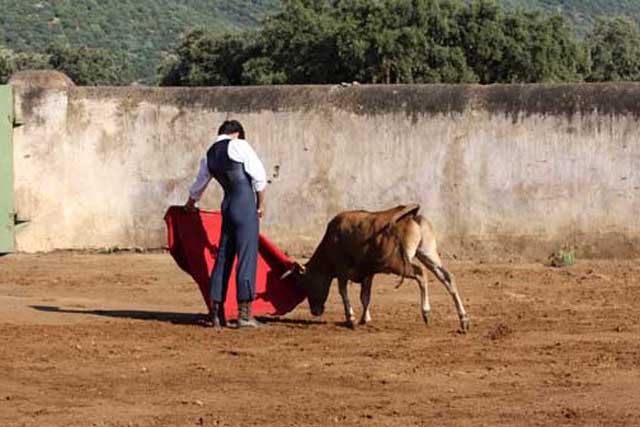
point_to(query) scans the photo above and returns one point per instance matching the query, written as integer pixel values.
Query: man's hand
(190, 206)
(260, 203)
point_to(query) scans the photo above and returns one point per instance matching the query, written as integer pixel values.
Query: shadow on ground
(165, 316)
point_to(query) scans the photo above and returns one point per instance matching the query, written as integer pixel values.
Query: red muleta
(193, 243)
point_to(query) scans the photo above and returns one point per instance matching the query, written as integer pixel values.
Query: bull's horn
(296, 266)
(287, 273)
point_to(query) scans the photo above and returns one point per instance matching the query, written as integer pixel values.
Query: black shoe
(245, 319)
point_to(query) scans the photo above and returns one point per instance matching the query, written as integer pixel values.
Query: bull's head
(314, 283)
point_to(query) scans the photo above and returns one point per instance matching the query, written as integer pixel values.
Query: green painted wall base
(7, 211)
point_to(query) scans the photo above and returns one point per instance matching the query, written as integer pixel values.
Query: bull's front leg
(365, 299)
(348, 310)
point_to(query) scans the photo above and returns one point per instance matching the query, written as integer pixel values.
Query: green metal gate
(7, 211)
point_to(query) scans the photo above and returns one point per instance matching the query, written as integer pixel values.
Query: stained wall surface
(503, 172)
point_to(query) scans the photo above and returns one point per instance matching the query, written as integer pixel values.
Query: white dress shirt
(240, 151)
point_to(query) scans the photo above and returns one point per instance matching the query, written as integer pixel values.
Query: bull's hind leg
(348, 310)
(365, 299)
(433, 263)
(421, 279)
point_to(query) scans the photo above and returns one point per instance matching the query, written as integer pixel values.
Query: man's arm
(199, 185)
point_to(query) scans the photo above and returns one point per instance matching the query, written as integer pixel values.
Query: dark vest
(229, 173)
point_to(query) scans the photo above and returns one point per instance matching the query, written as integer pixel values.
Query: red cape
(193, 243)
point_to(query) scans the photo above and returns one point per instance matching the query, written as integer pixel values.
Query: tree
(445, 60)
(387, 41)
(520, 46)
(540, 49)
(6, 64)
(90, 66)
(262, 71)
(614, 45)
(204, 58)
(372, 47)
(299, 43)
(482, 37)
(141, 28)
(11, 62)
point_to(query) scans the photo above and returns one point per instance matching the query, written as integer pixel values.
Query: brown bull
(359, 244)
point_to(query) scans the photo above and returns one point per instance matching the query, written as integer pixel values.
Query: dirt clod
(499, 332)
(569, 413)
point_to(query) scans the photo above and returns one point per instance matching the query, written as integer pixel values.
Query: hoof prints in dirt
(500, 332)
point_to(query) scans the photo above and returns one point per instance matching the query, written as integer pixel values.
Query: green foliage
(322, 41)
(204, 59)
(299, 43)
(386, 41)
(522, 46)
(11, 62)
(400, 42)
(563, 258)
(615, 50)
(262, 71)
(89, 66)
(85, 66)
(143, 29)
(331, 42)
(583, 13)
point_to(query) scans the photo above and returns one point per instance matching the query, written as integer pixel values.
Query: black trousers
(240, 228)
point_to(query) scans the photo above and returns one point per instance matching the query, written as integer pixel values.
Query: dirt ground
(120, 340)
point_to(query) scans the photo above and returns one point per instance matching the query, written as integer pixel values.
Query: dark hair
(231, 126)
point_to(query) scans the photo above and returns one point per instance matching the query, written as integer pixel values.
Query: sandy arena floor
(119, 340)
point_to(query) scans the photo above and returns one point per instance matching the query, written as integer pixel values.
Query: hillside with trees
(240, 42)
(411, 41)
(583, 13)
(140, 29)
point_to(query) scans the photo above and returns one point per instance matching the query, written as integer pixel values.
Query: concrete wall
(507, 172)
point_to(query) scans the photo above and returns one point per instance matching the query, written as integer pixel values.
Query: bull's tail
(406, 262)
(412, 210)
(427, 253)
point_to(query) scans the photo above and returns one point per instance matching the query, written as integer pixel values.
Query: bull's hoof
(426, 317)
(365, 319)
(350, 324)
(464, 324)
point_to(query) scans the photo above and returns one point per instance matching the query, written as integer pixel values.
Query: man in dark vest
(237, 168)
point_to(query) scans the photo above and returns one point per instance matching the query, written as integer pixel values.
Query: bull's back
(361, 243)
(362, 224)
(356, 229)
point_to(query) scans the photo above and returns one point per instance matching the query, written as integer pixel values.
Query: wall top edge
(515, 100)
